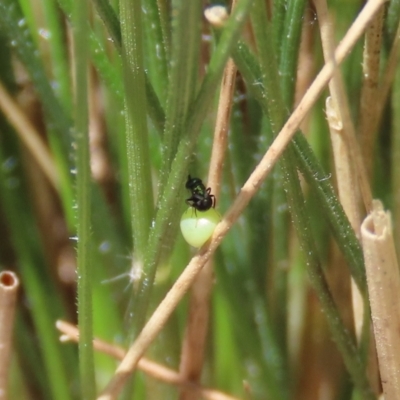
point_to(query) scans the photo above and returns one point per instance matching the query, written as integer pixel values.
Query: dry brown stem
(347, 153)
(9, 284)
(341, 129)
(151, 368)
(388, 76)
(383, 288)
(340, 125)
(174, 296)
(28, 135)
(192, 355)
(370, 88)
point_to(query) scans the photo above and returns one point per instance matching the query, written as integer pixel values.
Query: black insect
(201, 198)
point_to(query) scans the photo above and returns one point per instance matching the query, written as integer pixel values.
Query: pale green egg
(198, 226)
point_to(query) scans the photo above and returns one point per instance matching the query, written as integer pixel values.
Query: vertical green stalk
(110, 19)
(140, 189)
(263, 32)
(392, 19)
(395, 157)
(185, 50)
(100, 58)
(290, 50)
(264, 36)
(156, 48)
(278, 21)
(80, 34)
(280, 253)
(58, 52)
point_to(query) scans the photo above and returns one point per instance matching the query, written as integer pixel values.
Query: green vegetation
(120, 101)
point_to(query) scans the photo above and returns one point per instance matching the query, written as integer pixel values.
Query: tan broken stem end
(383, 288)
(9, 284)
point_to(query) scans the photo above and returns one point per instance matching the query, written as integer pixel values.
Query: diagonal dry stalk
(151, 368)
(9, 284)
(183, 283)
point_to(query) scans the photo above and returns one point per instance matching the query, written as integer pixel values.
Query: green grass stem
(183, 76)
(59, 54)
(83, 200)
(140, 185)
(156, 48)
(110, 19)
